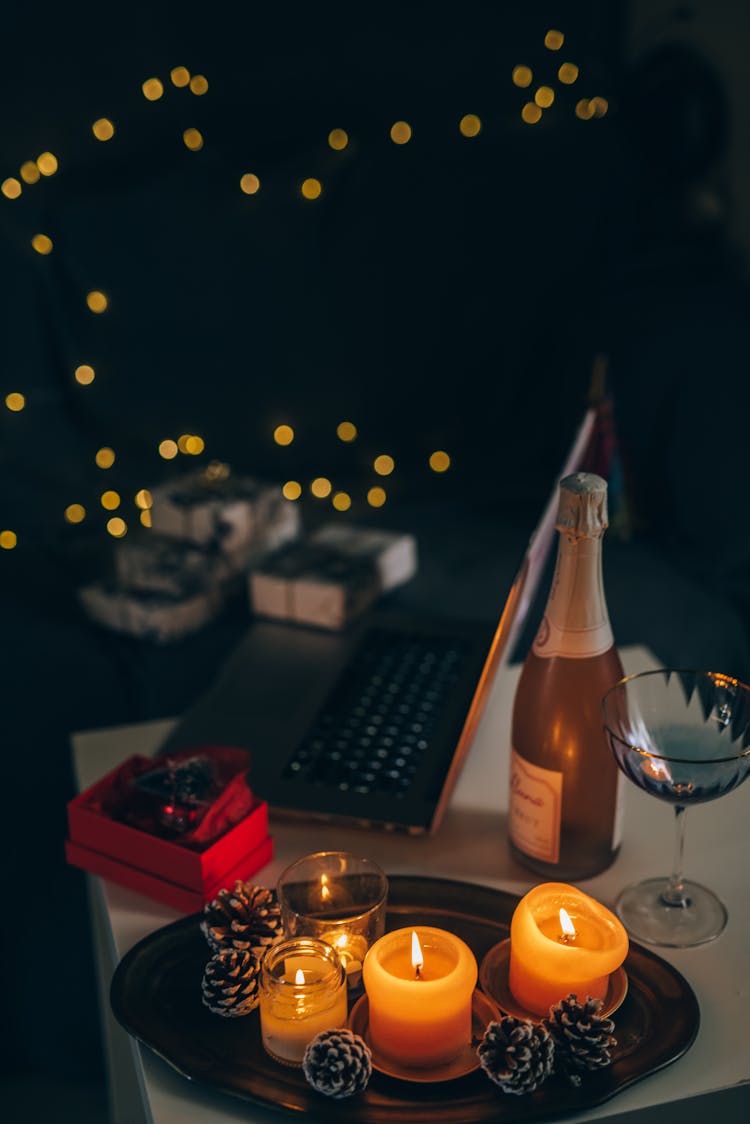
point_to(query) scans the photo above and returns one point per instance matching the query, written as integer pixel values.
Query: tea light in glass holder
(302, 992)
(338, 898)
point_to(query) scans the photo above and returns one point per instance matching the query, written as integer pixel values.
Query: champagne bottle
(565, 786)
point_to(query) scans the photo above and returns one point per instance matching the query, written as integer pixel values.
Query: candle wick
(418, 971)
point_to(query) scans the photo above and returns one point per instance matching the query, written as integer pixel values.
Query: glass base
(648, 917)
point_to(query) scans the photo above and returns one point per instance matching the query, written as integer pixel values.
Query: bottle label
(572, 643)
(535, 809)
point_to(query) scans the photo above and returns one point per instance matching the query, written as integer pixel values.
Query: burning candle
(562, 941)
(336, 897)
(419, 985)
(302, 992)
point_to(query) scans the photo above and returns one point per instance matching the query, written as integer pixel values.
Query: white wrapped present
(150, 614)
(312, 584)
(242, 517)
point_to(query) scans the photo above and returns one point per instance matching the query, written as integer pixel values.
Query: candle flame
(567, 926)
(299, 977)
(324, 891)
(417, 958)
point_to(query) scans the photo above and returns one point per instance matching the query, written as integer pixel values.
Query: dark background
(450, 293)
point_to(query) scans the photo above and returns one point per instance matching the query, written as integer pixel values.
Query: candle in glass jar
(302, 992)
(419, 985)
(562, 941)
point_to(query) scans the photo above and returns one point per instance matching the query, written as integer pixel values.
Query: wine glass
(683, 736)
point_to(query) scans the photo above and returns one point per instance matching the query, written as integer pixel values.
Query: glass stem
(673, 893)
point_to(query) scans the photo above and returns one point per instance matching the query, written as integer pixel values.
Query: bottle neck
(576, 621)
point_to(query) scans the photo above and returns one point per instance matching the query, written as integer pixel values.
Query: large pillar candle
(562, 941)
(419, 985)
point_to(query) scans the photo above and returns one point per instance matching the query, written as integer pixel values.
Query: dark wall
(441, 294)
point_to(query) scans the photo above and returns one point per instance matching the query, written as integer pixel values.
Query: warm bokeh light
(75, 513)
(598, 106)
(376, 497)
(47, 163)
(193, 139)
(584, 109)
(117, 527)
(29, 172)
(249, 183)
(11, 188)
(8, 540)
(97, 301)
(103, 129)
(198, 85)
(168, 449)
(84, 374)
(311, 188)
(321, 487)
(110, 500)
(346, 431)
(383, 465)
(180, 76)
(531, 113)
(470, 125)
(439, 461)
(338, 139)
(544, 97)
(152, 89)
(554, 40)
(292, 490)
(194, 445)
(568, 73)
(342, 501)
(522, 76)
(145, 518)
(15, 401)
(42, 243)
(400, 132)
(144, 499)
(105, 457)
(283, 435)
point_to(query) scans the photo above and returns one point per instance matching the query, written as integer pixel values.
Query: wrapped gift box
(333, 575)
(152, 614)
(244, 518)
(393, 554)
(164, 564)
(312, 585)
(181, 870)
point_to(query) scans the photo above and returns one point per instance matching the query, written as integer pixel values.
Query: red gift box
(183, 872)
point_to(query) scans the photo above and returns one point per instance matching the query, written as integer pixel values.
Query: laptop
(371, 726)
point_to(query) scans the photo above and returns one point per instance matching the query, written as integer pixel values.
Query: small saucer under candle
(494, 981)
(483, 1011)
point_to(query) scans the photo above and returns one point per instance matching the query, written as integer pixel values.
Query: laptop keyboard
(375, 728)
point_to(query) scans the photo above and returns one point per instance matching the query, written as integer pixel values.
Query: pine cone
(247, 918)
(516, 1054)
(230, 983)
(337, 1063)
(583, 1038)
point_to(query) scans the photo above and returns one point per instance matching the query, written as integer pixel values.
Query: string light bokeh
(529, 93)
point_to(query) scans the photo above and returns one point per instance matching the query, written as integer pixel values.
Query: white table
(714, 1076)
